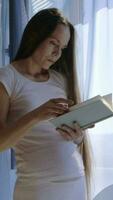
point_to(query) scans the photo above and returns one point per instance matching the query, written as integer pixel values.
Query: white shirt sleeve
(7, 79)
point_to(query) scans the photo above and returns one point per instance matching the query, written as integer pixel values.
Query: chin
(46, 67)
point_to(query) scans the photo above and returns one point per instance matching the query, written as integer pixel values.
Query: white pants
(69, 190)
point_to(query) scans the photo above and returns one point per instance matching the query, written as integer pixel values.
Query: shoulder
(9, 79)
(4, 70)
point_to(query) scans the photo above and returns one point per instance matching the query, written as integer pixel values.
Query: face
(51, 49)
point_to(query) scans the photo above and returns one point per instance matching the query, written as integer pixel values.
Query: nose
(57, 52)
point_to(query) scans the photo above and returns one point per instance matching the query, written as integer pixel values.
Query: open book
(87, 113)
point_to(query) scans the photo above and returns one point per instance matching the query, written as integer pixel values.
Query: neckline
(20, 74)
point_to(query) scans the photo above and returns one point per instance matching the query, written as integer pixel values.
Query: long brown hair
(67, 66)
(37, 30)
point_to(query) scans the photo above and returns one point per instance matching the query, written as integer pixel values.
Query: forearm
(10, 135)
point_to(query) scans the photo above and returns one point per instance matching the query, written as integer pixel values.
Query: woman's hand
(52, 108)
(74, 134)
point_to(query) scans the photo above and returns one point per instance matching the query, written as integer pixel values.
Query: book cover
(87, 113)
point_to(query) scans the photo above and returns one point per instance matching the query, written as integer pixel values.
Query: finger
(75, 136)
(71, 102)
(80, 132)
(64, 134)
(65, 105)
(77, 128)
(60, 107)
(67, 128)
(89, 126)
(79, 140)
(70, 131)
(61, 100)
(56, 111)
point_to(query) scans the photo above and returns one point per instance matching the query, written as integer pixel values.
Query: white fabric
(72, 190)
(95, 47)
(4, 175)
(42, 155)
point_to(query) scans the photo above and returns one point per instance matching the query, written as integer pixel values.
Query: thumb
(71, 102)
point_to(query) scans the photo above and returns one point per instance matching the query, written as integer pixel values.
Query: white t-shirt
(42, 154)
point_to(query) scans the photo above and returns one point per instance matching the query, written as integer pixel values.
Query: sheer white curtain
(4, 156)
(42, 4)
(98, 79)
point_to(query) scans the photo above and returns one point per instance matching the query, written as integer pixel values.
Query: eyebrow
(59, 41)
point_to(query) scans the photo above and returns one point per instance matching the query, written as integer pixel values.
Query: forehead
(62, 34)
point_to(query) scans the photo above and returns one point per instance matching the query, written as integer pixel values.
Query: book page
(108, 98)
(91, 100)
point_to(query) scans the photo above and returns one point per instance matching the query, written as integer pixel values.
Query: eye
(54, 43)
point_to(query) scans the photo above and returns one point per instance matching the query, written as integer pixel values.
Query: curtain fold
(19, 14)
(4, 156)
(5, 186)
(4, 32)
(97, 31)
